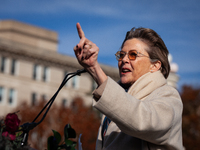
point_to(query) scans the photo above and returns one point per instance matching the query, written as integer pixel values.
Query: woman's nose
(125, 59)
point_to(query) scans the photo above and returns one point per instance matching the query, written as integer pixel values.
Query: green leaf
(68, 126)
(52, 143)
(63, 146)
(68, 142)
(72, 148)
(69, 132)
(74, 144)
(59, 148)
(57, 136)
(18, 133)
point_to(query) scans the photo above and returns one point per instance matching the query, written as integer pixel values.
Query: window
(65, 73)
(1, 93)
(64, 102)
(33, 99)
(13, 67)
(75, 82)
(11, 96)
(36, 72)
(3, 63)
(45, 74)
(44, 97)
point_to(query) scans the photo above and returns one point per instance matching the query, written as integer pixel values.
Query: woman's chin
(124, 80)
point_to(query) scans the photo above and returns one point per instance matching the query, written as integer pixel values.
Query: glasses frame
(127, 53)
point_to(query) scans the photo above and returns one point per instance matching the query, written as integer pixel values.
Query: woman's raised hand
(86, 51)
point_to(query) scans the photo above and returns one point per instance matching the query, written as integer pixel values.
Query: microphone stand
(29, 126)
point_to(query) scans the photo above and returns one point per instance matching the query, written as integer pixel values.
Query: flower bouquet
(11, 136)
(10, 139)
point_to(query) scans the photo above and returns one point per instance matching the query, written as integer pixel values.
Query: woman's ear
(155, 66)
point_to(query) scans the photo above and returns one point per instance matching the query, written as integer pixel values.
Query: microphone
(26, 128)
(81, 71)
(29, 126)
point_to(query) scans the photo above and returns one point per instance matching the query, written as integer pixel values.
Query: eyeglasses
(132, 54)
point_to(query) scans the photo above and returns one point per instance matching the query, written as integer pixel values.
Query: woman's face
(131, 70)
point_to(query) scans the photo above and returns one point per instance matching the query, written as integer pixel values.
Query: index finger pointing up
(80, 31)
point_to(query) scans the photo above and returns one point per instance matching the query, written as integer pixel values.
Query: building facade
(31, 69)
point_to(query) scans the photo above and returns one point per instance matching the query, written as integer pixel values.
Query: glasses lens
(132, 55)
(119, 55)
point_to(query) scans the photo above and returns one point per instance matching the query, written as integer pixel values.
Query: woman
(141, 111)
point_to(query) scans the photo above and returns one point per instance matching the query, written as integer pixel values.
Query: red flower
(11, 136)
(12, 123)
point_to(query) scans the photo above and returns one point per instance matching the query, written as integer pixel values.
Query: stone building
(31, 69)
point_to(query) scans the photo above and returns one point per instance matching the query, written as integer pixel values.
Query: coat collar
(146, 84)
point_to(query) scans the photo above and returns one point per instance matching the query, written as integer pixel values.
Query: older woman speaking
(141, 111)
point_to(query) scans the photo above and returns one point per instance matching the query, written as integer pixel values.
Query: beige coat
(148, 117)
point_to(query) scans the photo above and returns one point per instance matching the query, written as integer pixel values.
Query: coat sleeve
(152, 119)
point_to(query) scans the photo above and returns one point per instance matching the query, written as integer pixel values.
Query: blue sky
(106, 22)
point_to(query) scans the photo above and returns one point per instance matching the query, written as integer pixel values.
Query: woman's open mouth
(125, 71)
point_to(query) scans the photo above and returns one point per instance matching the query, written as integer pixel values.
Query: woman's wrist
(97, 74)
